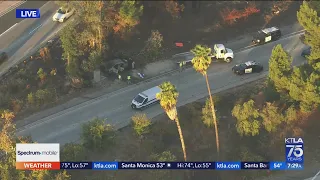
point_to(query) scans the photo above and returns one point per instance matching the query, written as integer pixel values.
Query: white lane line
(35, 29)
(314, 178)
(244, 48)
(10, 8)
(8, 29)
(284, 38)
(97, 100)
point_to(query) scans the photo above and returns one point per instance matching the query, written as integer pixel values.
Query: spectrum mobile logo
(42, 152)
(37, 153)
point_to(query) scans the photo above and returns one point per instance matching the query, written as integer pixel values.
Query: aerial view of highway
(159, 86)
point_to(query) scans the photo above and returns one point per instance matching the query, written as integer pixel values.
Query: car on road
(247, 68)
(266, 35)
(116, 66)
(306, 52)
(3, 57)
(62, 14)
(146, 98)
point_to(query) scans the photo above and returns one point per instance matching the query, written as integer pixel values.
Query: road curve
(65, 126)
(8, 17)
(27, 36)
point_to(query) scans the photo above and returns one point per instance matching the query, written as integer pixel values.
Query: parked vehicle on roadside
(116, 66)
(266, 35)
(146, 98)
(247, 68)
(3, 57)
(221, 53)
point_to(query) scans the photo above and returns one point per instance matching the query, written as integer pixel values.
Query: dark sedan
(247, 68)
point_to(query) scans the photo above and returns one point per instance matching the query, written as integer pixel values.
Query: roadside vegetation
(138, 31)
(252, 119)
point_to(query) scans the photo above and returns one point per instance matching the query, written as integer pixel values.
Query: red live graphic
(38, 165)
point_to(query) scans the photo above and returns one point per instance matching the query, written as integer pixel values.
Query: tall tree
(93, 20)
(280, 68)
(141, 124)
(128, 16)
(271, 117)
(174, 8)
(63, 176)
(153, 46)
(73, 152)
(7, 148)
(309, 19)
(7, 135)
(94, 61)
(97, 135)
(304, 89)
(201, 63)
(168, 100)
(306, 79)
(71, 51)
(8, 140)
(247, 116)
(69, 42)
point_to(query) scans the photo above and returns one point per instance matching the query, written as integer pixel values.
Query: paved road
(65, 126)
(9, 18)
(27, 35)
(7, 6)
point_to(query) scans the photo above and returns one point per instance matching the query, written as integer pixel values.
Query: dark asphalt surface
(9, 19)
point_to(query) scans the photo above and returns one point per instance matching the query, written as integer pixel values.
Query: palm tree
(201, 62)
(168, 100)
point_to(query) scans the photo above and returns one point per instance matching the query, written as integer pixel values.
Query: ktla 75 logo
(294, 149)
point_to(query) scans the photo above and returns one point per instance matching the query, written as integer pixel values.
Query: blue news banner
(174, 165)
(27, 13)
(294, 161)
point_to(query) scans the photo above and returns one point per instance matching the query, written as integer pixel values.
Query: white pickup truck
(219, 53)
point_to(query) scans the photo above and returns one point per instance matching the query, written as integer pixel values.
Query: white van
(145, 98)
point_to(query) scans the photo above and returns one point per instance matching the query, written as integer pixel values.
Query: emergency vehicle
(247, 68)
(266, 35)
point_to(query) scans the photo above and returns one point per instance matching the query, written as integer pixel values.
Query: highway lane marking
(252, 47)
(234, 83)
(12, 7)
(81, 105)
(247, 47)
(121, 124)
(8, 29)
(283, 38)
(314, 178)
(35, 29)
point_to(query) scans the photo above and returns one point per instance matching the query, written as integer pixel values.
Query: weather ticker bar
(181, 165)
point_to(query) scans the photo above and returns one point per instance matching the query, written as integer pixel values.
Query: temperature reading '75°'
(65, 165)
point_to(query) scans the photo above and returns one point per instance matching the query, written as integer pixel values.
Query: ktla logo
(294, 149)
(37, 153)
